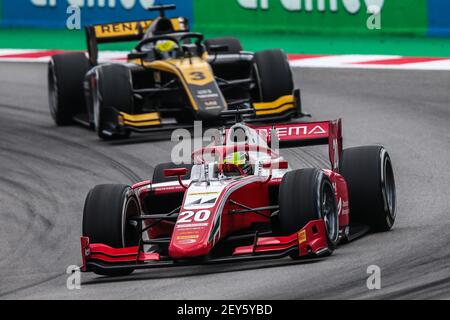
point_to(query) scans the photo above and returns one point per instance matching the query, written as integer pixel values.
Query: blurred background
(401, 27)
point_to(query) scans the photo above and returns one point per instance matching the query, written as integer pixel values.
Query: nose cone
(188, 246)
(198, 224)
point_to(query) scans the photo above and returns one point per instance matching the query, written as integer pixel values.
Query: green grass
(310, 44)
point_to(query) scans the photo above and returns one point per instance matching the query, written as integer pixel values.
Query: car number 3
(191, 216)
(197, 76)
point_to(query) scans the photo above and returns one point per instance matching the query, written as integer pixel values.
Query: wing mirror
(177, 172)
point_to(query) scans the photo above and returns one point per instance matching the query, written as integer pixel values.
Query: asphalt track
(45, 173)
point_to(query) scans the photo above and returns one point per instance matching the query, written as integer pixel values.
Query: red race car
(240, 200)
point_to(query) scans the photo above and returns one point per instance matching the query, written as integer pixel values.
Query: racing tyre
(158, 173)
(306, 195)
(370, 180)
(233, 44)
(273, 75)
(106, 211)
(114, 90)
(66, 73)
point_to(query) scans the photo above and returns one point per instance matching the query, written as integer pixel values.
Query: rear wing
(307, 134)
(124, 32)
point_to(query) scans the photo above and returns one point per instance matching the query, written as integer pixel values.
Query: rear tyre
(158, 173)
(273, 75)
(306, 195)
(233, 44)
(114, 90)
(371, 185)
(105, 219)
(66, 73)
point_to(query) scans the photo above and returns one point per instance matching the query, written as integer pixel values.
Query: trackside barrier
(398, 17)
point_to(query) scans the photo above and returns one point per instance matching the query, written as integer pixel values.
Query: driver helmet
(167, 49)
(242, 160)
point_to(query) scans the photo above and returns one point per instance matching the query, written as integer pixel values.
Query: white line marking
(348, 61)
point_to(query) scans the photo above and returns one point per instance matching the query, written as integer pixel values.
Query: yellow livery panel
(280, 105)
(141, 120)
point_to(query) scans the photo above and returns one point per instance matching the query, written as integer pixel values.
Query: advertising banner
(55, 13)
(439, 17)
(314, 16)
(406, 17)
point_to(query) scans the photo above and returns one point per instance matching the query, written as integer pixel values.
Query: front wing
(310, 241)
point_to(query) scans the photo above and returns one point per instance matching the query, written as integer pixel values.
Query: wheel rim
(328, 211)
(388, 183)
(53, 90)
(130, 235)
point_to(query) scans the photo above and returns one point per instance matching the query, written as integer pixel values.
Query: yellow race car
(170, 79)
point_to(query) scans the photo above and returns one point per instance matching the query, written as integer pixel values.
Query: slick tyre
(113, 93)
(106, 214)
(306, 195)
(371, 185)
(273, 76)
(66, 74)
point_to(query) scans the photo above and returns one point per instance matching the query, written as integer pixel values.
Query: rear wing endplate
(124, 32)
(307, 134)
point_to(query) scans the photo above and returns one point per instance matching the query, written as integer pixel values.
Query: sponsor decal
(197, 198)
(296, 131)
(188, 237)
(325, 16)
(209, 98)
(191, 225)
(335, 154)
(351, 6)
(301, 237)
(122, 29)
(203, 193)
(168, 189)
(126, 4)
(345, 210)
(343, 207)
(201, 202)
(53, 13)
(206, 94)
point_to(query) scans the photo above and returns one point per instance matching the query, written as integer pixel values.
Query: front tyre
(371, 185)
(106, 215)
(307, 195)
(66, 73)
(113, 92)
(273, 76)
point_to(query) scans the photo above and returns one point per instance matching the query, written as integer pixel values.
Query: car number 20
(191, 216)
